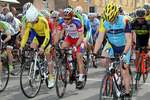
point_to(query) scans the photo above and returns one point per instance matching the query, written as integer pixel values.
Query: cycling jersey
(142, 32)
(51, 25)
(94, 25)
(15, 24)
(129, 18)
(147, 17)
(40, 27)
(24, 19)
(116, 32)
(72, 29)
(87, 24)
(76, 15)
(56, 23)
(4, 27)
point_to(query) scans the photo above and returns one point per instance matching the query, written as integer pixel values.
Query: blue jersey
(87, 24)
(116, 32)
(94, 24)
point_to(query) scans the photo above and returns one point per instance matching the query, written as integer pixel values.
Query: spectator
(13, 11)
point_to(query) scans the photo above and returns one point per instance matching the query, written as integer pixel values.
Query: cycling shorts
(71, 42)
(112, 49)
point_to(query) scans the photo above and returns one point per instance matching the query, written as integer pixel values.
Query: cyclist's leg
(34, 43)
(125, 73)
(106, 52)
(137, 56)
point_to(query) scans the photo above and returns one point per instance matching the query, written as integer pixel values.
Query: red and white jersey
(72, 29)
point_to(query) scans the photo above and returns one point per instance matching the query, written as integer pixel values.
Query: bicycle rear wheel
(4, 74)
(138, 73)
(146, 72)
(61, 79)
(107, 91)
(30, 83)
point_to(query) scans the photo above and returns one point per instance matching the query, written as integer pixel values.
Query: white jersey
(15, 24)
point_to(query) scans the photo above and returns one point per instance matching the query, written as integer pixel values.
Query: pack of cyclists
(81, 31)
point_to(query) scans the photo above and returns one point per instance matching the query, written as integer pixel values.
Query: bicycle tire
(5, 74)
(27, 82)
(131, 82)
(138, 74)
(105, 90)
(61, 79)
(145, 75)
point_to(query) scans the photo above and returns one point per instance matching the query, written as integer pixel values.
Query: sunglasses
(67, 18)
(140, 18)
(54, 17)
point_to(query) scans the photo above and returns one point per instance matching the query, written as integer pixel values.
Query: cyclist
(26, 6)
(75, 36)
(141, 28)
(4, 26)
(146, 6)
(118, 30)
(87, 27)
(15, 23)
(42, 38)
(121, 12)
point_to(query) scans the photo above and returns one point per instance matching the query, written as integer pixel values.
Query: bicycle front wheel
(4, 74)
(107, 91)
(30, 79)
(61, 79)
(145, 75)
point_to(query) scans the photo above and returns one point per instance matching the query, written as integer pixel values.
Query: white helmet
(44, 13)
(9, 15)
(26, 6)
(32, 14)
(55, 14)
(91, 15)
(78, 10)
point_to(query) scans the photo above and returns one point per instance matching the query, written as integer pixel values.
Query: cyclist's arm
(62, 33)
(47, 33)
(100, 37)
(23, 28)
(97, 30)
(134, 36)
(56, 39)
(25, 36)
(81, 36)
(99, 41)
(128, 37)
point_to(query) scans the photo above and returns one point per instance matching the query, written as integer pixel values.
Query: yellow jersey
(41, 28)
(147, 17)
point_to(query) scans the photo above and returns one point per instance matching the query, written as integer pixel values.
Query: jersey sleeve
(47, 33)
(26, 34)
(6, 28)
(51, 25)
(78, 25)
(97, 23)
(127, 28)
(102, 28)
(60, 25)
(23, 23)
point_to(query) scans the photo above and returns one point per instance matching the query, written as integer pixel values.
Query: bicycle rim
(61, 79)
(4, 75)
(146, 72)
(30, 84)
(106, 91)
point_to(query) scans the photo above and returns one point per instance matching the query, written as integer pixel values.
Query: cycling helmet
(78, 10)
(91, 15)
(32, 14)
(9, 15)
(26, 6)
(139, 7)
(99, 16)
(68, 12)
(120, 8)
(140, 12)
(19, 16)
(110, 12)
(55, 14)
(146, 6)
(44, 13)
(70, 7)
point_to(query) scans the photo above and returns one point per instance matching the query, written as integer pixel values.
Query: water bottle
(42, 65)
(119, 80)
(70, 62)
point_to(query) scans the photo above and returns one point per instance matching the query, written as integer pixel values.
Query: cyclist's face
(55, 18)
(67, 19)
(140, 19)
(10, 19)
(91, 19)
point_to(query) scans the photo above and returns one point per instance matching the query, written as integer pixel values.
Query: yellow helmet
(139, 7)
(110, 12)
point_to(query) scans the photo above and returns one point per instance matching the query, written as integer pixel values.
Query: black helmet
(146, 6)
(140, 12)
(120, 8)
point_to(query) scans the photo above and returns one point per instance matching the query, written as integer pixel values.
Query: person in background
(13, 11)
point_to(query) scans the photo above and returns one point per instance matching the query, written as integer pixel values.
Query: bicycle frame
(143, 57)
